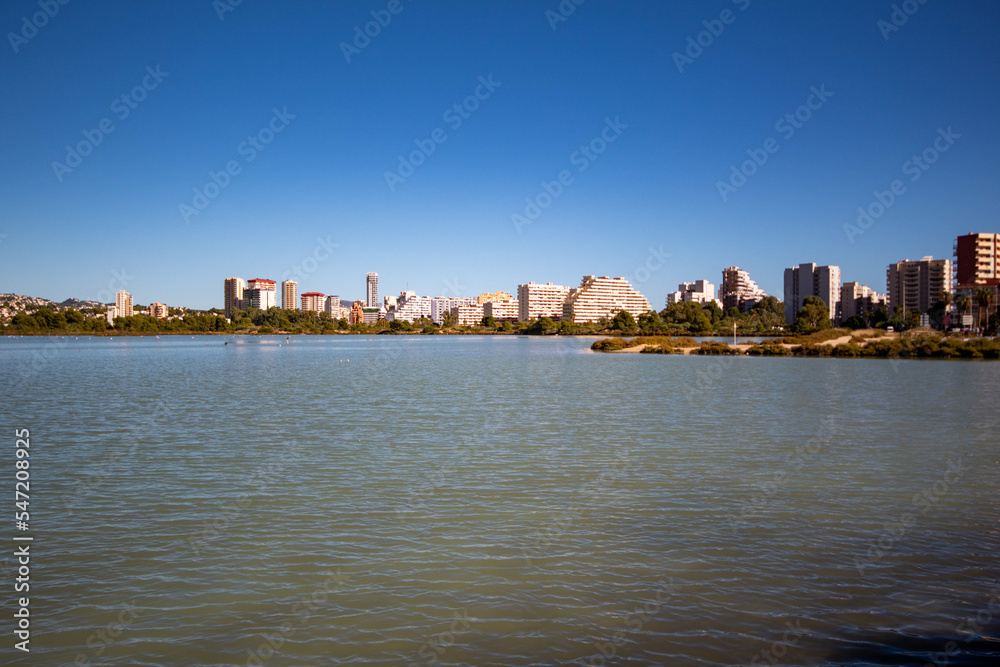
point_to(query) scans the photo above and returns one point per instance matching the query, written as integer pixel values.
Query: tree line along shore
(685, 319)
(682, 318)
(842, 343)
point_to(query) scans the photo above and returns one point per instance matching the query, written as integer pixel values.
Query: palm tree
(984, 298)
(963, 302)
(946, 299)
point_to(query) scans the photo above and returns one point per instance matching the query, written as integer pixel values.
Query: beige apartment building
(312, 301)
(598, 297)
(535, 300)
(289, 292)
(158, 310)
(233, 295)
(502, 311)
(493, 296)
(470, 315)
(858, 299)
(918, 284)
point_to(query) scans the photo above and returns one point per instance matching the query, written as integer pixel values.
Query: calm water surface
(500, 501)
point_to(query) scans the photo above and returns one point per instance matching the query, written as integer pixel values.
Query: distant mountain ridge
(24, 300)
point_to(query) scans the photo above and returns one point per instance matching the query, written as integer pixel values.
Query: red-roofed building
(312, 301)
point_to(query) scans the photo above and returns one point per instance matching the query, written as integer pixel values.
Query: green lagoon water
(498, 501)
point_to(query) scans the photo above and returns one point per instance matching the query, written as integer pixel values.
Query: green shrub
(769, 348)
(610, 344)
(715, 347)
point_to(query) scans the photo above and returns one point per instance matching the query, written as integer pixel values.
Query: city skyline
(533, 164)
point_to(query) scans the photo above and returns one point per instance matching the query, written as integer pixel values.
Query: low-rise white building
(700, 291)
(471, 315)
(501, 311)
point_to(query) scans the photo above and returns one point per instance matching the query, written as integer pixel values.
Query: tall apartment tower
(123, 303)
(810, 280)
(977, 260)
(233, 295)
(918, 284)
(371, 284)
(289, 295)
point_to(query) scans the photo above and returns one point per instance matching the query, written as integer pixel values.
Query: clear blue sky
(449, 223)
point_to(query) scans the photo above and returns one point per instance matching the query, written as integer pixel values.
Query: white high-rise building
(289, 295)
(810, 280)
(371, 286)
(111, 313)
(471, 314)
(123, 303)
(598, 297)
(536, 301)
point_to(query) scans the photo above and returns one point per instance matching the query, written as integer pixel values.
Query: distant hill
(38, 302)
(78, 304)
